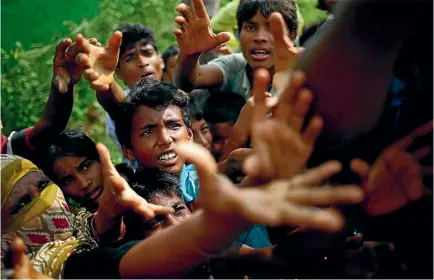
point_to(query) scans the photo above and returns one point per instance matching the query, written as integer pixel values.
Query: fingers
(309, 218)
(186, 12)
(279, 29)
(82, 60)
(327, 195)
(406, 141)
(106, 163)
(302, 105)
(91, 75)
(61, 48)
(317, 175)
(203, 160)
(114, 43)
(199, 9)
(313, 129)
(79, 46)
(287, 99)
(223, 37)
(261, 81)
(94, 41)
(18, 252)
(421, 153)
(360, 167)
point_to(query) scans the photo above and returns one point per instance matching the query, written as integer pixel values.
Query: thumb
(106, 163)
(60, 83)
(223, 37)
(206, 166)
(279, 30)
(114, 43)
(19, 252)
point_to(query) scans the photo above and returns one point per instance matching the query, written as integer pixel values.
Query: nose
(164, 138)
(143, 61)
(261, 36)
(83, 182)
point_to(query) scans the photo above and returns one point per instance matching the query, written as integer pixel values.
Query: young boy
(169, 58)
(232, 72)
(199, 127)
(221, 111)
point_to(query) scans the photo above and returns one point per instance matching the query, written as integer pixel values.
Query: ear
(128, 153)
(190, 134)
(293, 36)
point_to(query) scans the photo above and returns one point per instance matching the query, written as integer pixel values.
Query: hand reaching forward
(118, 197)
(281, 147)
(23, 268)
(396, 177)
(285, 52)
(280, 202)
(99, 62)
(66, 70)
(195, 34)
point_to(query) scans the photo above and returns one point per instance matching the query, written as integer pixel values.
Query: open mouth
(260, 54)
(95, 194)
(147, 75)
(168, 158)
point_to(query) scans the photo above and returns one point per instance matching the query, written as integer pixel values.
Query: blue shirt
(255, 237)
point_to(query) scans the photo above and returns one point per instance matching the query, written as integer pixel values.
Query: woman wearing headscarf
(34, 209)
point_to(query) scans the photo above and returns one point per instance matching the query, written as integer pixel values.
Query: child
(199, 127)
(169, 58)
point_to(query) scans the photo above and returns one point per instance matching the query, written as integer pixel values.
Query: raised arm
(100, 64)
(195, 36)
(66, 73)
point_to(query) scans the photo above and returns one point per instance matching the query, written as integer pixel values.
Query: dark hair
(248, 8)
(169, 52)
(125, 171)
(223, 107)
(133, 33)
(149, 182)
(152, 94)
(70, 142)
(196, 102)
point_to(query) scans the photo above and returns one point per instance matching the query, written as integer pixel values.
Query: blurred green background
(30, 30)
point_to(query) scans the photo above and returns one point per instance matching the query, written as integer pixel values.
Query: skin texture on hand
(193, 24)
(23, 268)
(396, 177)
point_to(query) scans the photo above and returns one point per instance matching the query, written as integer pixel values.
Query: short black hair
(196, 102)
(70, 142)
(248, 8)
(223, 107)
(152, 94)
(149, 182)
(169, 52)
(125, 171)
(133, 33)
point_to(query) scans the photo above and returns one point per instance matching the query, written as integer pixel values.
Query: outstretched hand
(396, 177)
(281, 147)
(99, 63)
(23, 268)
(66, 70)
(280, 202)
(194, 34)
(118, 197)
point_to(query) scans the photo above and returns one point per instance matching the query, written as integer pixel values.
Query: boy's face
(154, 133)
(201, 133)
(257, 42)
(160, 222)
(220, 135)
(139, 62)
(170, 67)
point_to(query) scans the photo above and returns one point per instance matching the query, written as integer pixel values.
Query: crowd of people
(290, 152)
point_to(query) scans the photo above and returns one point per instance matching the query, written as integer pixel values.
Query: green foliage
(27, 73)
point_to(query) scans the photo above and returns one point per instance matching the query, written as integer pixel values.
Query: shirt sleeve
(230, 66)
(99, 263)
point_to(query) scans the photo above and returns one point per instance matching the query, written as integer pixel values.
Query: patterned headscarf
(45, 224)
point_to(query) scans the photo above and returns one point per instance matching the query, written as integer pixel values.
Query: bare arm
(111, 98)
(195, 23)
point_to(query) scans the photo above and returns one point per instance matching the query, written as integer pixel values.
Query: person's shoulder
(233, 63)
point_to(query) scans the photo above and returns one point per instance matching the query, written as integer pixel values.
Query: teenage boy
(169, 58)
(231, 73)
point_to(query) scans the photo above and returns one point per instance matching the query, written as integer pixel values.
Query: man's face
(154, 133)
(160, 222)
(220, 135)
(170, 67)
(201, 133)
(139, 62)
(257, 42)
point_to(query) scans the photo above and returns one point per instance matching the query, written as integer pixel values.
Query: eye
(249, 27)
(205, 129)
(128, 59)
(20, 205)
(43, 183)
(146, 132)
(174, 126)
(148, 53)
(179, 210)
(65, 181)
(87, 165)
